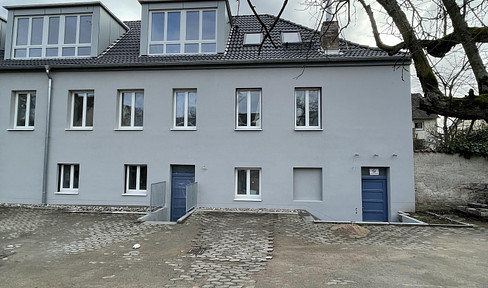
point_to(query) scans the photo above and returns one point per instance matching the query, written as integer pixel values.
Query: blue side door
(375, 202)
(178, 193)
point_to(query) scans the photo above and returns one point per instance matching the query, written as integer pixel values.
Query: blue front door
(178, 193)
(375, 204)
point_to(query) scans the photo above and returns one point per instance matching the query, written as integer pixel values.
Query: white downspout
(46, 136)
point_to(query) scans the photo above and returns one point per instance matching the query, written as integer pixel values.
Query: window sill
(135, 194)
(248, 129)
(309, 201)
(66, 193)
(248, 199)
(129, 129)
(79, 129)
(184, 129)
(308, 129)
(20, 129)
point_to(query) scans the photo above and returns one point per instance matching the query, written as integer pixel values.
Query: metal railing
(158, 195)
(191, 196)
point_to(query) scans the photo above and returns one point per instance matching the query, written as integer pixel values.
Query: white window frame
(133, 110)
(84, 110)
(45, 33)
(248, 196)
(182, 40)
(307, 125)
(248, 126)
(138, 191)
(71, 189)
(419, 122)
(26, 125)
(285, 37)
(185, 126)
(249, 38)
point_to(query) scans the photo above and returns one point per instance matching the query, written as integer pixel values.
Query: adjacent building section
(60, 30)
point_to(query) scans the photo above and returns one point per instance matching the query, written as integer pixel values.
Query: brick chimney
(329, 36)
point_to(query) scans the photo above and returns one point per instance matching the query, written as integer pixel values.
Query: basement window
(291, 37)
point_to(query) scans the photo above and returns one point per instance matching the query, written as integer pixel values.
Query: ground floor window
(68, 178)
(248, 184)
(135, 179)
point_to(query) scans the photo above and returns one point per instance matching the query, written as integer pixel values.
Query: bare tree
(430, 30)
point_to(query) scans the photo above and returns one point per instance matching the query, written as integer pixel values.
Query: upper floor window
(307, 109)
(82, 104)
(185, 109)
(52, 36)
(131, 109)
(248, 109)
(25, 110)
(178, 32)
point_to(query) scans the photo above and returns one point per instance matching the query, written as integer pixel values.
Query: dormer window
(253, 38)
(290, 37)
(52, 36)
(182, 32)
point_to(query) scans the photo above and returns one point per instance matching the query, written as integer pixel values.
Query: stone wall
(443, 181)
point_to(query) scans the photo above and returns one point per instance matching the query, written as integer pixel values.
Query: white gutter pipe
(46, 136)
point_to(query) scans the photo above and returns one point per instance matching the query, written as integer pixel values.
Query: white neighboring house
(93, 110)
(423, 124)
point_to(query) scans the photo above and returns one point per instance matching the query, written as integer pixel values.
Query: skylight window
(252, 38)
(291, 37)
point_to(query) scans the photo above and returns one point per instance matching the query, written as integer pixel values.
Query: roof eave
(330, 61)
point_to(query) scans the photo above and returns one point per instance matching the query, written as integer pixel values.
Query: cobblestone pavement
(218, 250)
(87, 232)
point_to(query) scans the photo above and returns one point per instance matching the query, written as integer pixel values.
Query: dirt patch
(351, 230)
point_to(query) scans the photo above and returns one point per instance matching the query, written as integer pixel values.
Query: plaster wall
(443, 181)
(357, 119)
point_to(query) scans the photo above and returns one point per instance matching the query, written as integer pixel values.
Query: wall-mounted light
(356, 154)
(394, 155)
(204, 167)
(375, 155)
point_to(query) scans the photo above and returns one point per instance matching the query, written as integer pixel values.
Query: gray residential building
(94, 110)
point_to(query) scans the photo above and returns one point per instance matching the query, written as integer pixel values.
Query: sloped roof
(125, 51)
(417, 113)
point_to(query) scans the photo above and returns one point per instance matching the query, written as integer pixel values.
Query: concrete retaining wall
(443, 181)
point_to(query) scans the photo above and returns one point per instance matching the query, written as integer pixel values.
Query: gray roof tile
(125, 51)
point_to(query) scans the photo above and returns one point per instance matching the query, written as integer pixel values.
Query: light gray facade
(358, 128)
(357, 124)
(3, 28)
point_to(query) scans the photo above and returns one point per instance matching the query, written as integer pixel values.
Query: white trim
(248, 126)
(26, 125)
(132, 110)
(182, 41)
(307, 109)
(138, 191)
(185, 109)
(83, 112)
(45, 37)
(247, 196)
(71, 190)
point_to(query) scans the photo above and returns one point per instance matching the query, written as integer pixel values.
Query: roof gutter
(46, 135)
(219, 64)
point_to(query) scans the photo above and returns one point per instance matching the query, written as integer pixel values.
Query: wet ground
(52, 248)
